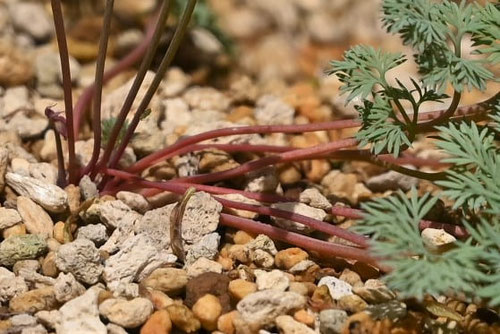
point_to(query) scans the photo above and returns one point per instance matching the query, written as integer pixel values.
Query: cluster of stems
(103, 167)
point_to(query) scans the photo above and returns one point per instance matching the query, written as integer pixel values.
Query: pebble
(21, 247)
(126, 313)
(391, 180)
(352, 303)
(66, 287)
(208, 309)
(287, 325)
(271, 110)
(176, 81)
(262, 242)
(4, 162)
(374, 291)
(16, 67)
(93, 232)
(225, 322)
(159, 299)
(49, 196)
(15, 99)
(437, 240)
(274, 279)
(287, 258)
(306, 317)
(81, 315)
(172, 281)
(240, 288)
(36, 220)
(262, 307)
(206, 247)
(135, 201)
(34, 300)
(31, 18)
(332, 321)
(313, 197)
(301, 209)
(203, 265)
(242, 237)
(44, 172)
(10, 285)
(351, 277)
(183, 318)
(201, 217)
(262, 258)
(48, 73)
(8, 218)
(82, 259)
(206, 98)
(394, 310)
(115, 329)
(88, 188)
(336, 287)
(158, 323)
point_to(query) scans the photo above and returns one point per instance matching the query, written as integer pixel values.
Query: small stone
(332, 321)
(22, 320)
(240, 288)
(159, 299)
(206, 98)
(183, 318)
(31, 18)
(176, 81)
(262, 259)
(115, 329)
(394, 310)
(58, 232)
(10, 285)
(203, 265)
(126, 313)
(82, 259)
(206, 247)
(158, 323)
(93, 232)
(274, 279)
(74, 197)
(135, 201)
(4, 162)
(16, 230)
(49, 196)
(201, 217)
(437, 240)
(8, 218)
(301, 266)
(81, 315)
(272, 110)
(264, 243)
(26, 266)
(34, 300)
(49, 319)
(15, 99)
(67, 287)
(351, 277)
(21, 247)
(314, 198)
(305, 317)
(336, 287)
(287, 325)
(287, 258)
(242, 237)
(16, 66)
(88, 188)
(172, 281)
(242, 213)
(208, 309)
(49, 75)
(391, 180)
(44, 172)
(212, 283)
(262, 307)
(299, 287)
(374, 291)
(35, 218)
(225, 322)
(301, 209)
(352, 303)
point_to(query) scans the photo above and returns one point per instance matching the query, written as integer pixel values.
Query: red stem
(67, 89)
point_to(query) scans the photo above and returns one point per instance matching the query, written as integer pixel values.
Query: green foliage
(435, 30)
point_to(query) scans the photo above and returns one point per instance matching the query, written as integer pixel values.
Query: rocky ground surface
(119, 274)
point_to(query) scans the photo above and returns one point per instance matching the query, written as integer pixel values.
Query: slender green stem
(132, 94)
(66, 76)
(167, 59)
(99, 74)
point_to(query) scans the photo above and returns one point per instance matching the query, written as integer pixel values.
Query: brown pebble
(352, 303)
(239, 288)
(159, 299)
(304, 317)
(18, 229)
(74, 197)
(239, 253)
(183, 318)
(351, 277)
(242, 237)
(212, 283)
(158, 323)
(59, 232)
(321, 299)
(208, 309)
(172, 281)
(49, 267)
(225, 262)
(287, 258)
(34, 301)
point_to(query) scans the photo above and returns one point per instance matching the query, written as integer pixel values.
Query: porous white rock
(49, 196)
(313, 197)
(36, 220)
(241, 199)
(203, 265)
(332, 321)
(82, 259)
(66, 287)
(134, 201)
(274, 280)
(262, 307)
(126, 313)
(49, 319)
(437, 239)
(10, 285)
(271, 110)
(31, 18)
(206, 98)
(337, 288)
(43, 171)
(81, 315)
(206, 247)
(391, 180)
(262, 242)
(201, 217)
(93, 232)
(301, 209)
(8, 218)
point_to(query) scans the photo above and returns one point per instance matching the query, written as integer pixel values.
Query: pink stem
(133, 57)
(322, 247)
